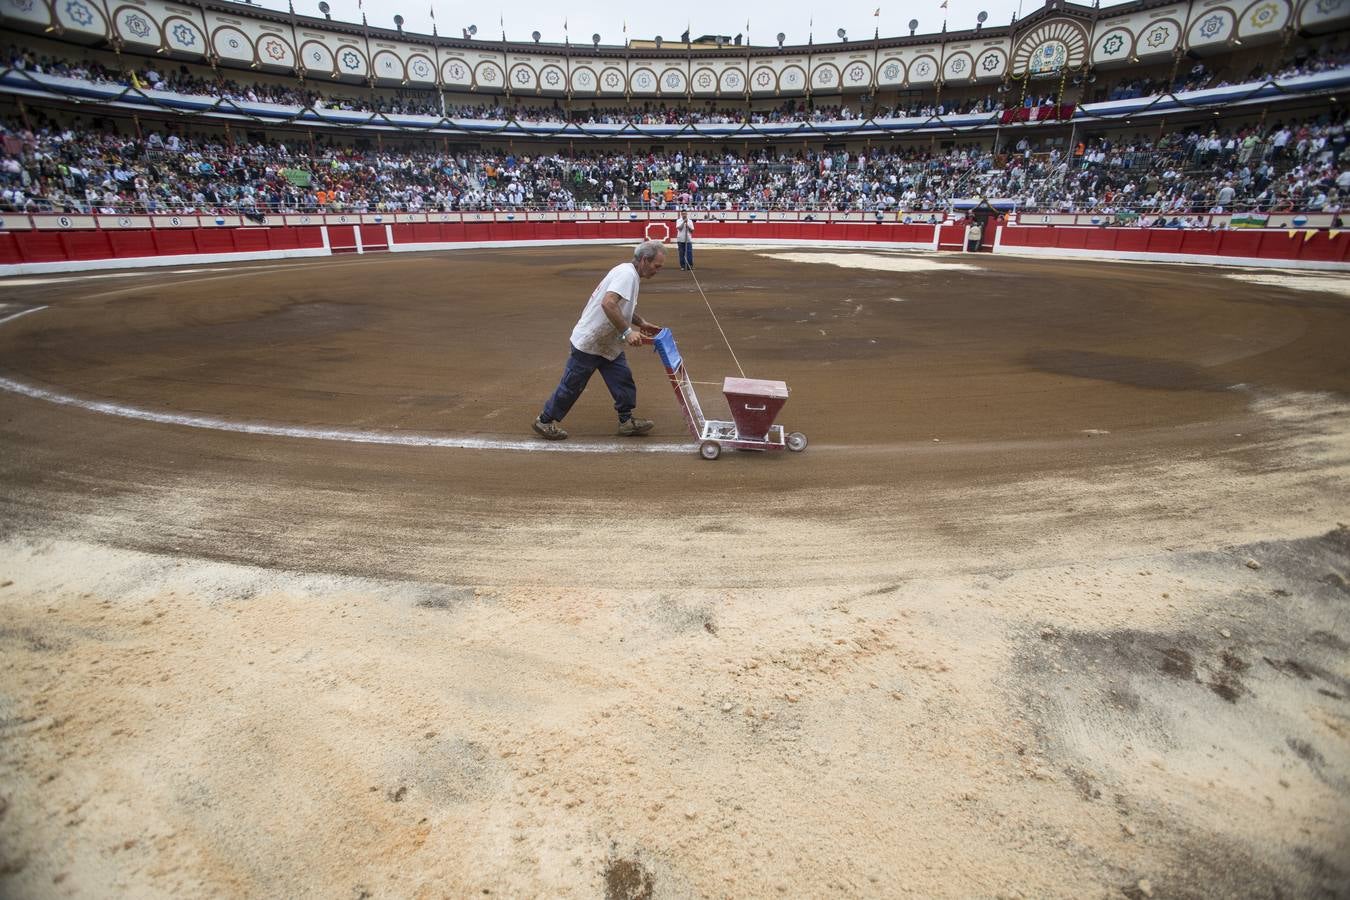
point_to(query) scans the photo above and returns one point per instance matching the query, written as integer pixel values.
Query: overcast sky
(766, 18)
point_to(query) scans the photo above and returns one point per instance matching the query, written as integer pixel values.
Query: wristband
(626, 332)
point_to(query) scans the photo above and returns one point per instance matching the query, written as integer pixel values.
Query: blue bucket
(666, 349)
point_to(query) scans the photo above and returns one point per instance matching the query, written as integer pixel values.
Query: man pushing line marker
(609, 323)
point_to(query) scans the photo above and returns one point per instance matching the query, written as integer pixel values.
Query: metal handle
(756, 408)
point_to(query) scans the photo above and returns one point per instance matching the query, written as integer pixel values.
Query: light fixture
(843, 35)
(781, 37)
(535, 35)
(981, 19)
(913, 26)
(324, 8)
(595, 39)
(398, 23)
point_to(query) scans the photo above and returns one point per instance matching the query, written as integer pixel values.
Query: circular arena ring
(285, 570)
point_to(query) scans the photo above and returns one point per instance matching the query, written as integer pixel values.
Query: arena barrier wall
(39, 249)
(1285, 248)
(414, 237)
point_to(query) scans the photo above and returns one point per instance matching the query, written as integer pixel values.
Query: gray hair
(648, 250)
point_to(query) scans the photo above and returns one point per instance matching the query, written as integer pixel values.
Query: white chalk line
(12, 316)
(343, 435)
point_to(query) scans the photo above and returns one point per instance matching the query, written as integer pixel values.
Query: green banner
(1249, 220)
(297, 177)
(659, 186)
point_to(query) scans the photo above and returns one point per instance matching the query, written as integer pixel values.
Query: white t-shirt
(594, 333)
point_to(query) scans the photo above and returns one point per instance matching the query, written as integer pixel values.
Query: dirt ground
(1054, 605)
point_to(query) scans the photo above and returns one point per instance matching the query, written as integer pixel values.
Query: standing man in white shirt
(609, 323)
(684, 239)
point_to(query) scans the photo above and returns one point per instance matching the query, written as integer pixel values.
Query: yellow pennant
(1307, 235)
(1333, 234)
(1293, 232)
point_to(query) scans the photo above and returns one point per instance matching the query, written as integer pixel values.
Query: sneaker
(635, 426)
(549, 431)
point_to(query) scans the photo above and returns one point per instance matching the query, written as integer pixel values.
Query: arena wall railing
(82, 246)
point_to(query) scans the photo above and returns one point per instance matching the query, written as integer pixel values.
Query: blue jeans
(580, 366)
(686, 254)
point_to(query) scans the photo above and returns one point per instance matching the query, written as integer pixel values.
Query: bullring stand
(753, 403)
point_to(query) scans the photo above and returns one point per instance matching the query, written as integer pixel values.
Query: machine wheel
(796, 442)
(710, 449)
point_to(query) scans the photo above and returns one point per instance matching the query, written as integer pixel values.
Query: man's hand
(634, 338)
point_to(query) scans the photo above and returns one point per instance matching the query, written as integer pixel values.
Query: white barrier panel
(59, 223)
(342, 219)
(221, 221)
(444, 217)
(1046, 219)
(123, 221)
(305, 219)
(476, 217)
(404, 218)
(376, 218)
(175, 221)
(15, 222)
(543, 217)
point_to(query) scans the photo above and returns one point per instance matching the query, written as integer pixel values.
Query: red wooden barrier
(214, 240)
(9, 249)
(131, 244)
(342, 238)
(41, 246)
(168, 242)
(373, 237)
(1275, 246)
(88, 245)
(250, 240)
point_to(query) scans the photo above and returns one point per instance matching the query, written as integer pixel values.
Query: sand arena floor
(1054, 605)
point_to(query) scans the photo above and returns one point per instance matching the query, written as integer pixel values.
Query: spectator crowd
(1286, 166)
(300, 94)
